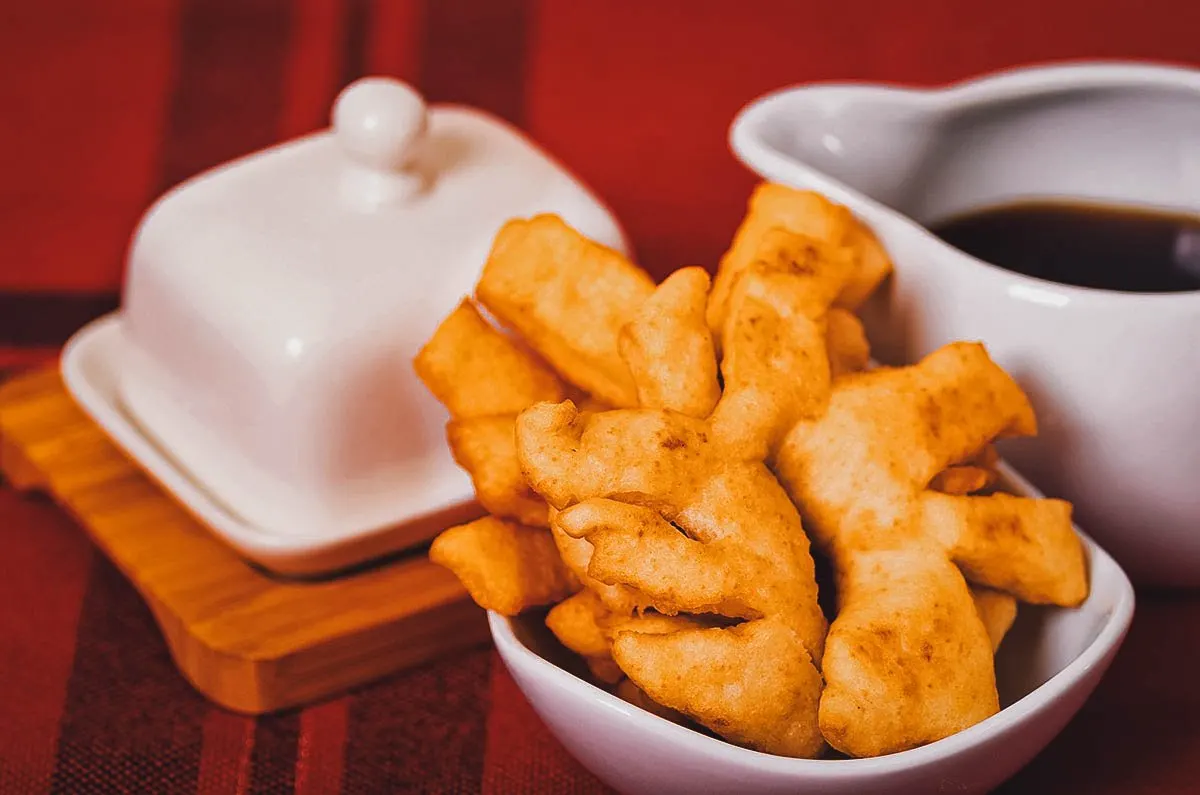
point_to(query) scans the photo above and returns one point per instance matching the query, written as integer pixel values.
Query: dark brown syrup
(1106, 247)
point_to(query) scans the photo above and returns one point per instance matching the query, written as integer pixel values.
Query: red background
(106, 104)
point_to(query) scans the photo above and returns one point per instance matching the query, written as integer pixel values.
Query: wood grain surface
(249, 641)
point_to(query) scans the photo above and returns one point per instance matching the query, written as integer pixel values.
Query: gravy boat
(1114, 376)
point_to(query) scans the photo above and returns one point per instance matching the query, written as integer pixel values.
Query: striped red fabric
(44, 571)
(108, 104)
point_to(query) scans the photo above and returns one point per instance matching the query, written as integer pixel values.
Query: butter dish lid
(394, 190)
(272, 307)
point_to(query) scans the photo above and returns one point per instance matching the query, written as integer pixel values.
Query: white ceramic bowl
(1047, 667)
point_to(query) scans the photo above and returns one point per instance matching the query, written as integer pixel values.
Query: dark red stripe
(313, 69)
(522, 754)
(34, 320)
(422, 731)
(321, 751)
(45, 563)
(394, 45)
(130, 722)
(229, 89)
(228, 745)
(356, 24)
(273, 763)
(475, 53)
(226, 102)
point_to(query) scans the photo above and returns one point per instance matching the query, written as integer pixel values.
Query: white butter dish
(272, 308)
(92, 365)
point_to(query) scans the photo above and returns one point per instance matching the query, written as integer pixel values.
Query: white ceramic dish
(1113, 376)
(91, 367)
(272, 308)
(1047, 667)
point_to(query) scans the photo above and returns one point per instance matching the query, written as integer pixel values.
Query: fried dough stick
(861, 471)
(568, 297)
(778, 362)
(777, 207)
(670, 352)
(687, 518)
(909, 658)
(505, 566)
(935, 626)
(997, 610)
(484, 379)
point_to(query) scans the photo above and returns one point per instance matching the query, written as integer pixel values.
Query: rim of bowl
(1107, 640)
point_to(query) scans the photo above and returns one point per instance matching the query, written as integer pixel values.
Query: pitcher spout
(1104, 132)
(863, 145)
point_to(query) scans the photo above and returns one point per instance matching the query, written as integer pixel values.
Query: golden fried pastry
(505, 566)
(586, 626)
(904, 605)
(776, 207)
(628, 691)
(669, 334)
(484, 378)
(580, 623)
(622, 436)
(961, 480)
(577, 555)
(568, 297)
(997, 610)
(678, 514)
(577, 623)
(1023, 546)
(860, 473)
(908, 660)
(669, 513)
(846, 341)
(475, 371)
(486, 448)
(776, 365)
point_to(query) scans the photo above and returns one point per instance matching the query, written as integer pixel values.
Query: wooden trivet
(246, 639)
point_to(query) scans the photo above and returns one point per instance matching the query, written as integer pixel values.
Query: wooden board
(249, 641)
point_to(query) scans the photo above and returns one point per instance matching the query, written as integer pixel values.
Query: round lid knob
(378, 121)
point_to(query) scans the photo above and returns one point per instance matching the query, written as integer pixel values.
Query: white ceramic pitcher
(1115, 376)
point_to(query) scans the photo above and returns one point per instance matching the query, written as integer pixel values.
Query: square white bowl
(1046, 668)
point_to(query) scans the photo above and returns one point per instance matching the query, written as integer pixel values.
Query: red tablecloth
(107, 104)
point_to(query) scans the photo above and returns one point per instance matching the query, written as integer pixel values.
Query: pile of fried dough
(655, 460)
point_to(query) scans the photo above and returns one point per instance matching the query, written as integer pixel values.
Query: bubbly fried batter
(669, 513)
(846, 341)
(777, 207)
(669, 336)
(680, 514)
(505, 566)
(776, 365)
(476, 371)
(484, 378)
(998, 611)
(486, 448)
(861, 472)
(568, 297)
(674, 556)
(909, 659)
